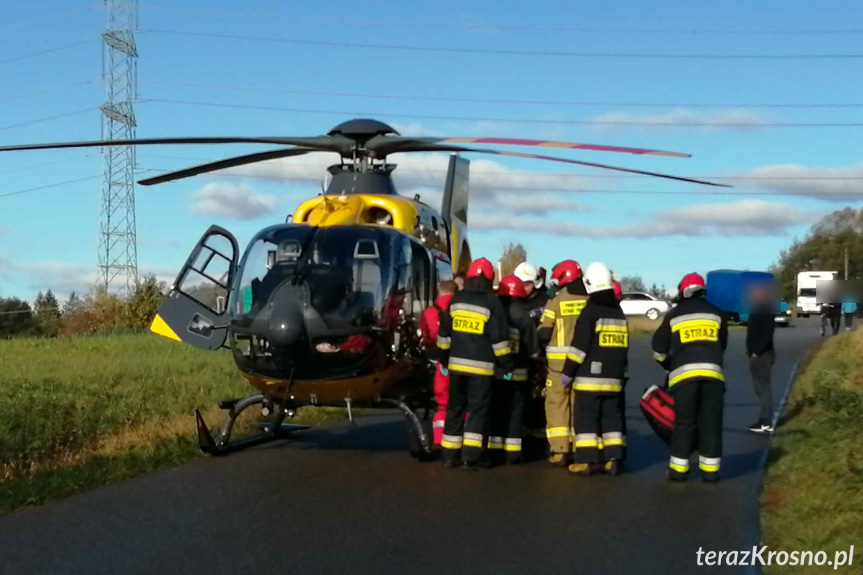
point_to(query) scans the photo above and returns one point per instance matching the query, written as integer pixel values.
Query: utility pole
(846, 263)
(118, 252)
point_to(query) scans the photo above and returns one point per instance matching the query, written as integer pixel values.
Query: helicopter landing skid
(221, 444)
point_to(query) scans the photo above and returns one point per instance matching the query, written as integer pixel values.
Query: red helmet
(691, 284)
(618, 289)
(511, 286)
(566, 272)
(481, 267)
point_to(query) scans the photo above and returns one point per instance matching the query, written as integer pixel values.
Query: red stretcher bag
(658, 408)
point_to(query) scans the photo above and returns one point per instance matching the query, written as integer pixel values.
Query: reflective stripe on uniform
(470, 366)
(576, 355)
(512, 444)
(586, 440)
(606, 384)
(451, 441)
(470, 308)
(548, 314)
(693, 370)
(611, 325)
(679, 464)
(439, 423)
(557, 352)
(519, 374)
(443, 342)
(472, 439)
(613, 438)
(708, 464)
(693, 317)
(495, 442)
(551, 432)
(659, 356)
(501, 348)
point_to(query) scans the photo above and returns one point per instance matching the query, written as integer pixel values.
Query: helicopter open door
(194, 312)
(454, 211)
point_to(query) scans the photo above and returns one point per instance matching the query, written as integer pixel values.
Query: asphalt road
(344, 499)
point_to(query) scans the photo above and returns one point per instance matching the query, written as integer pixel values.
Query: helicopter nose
(286, 318)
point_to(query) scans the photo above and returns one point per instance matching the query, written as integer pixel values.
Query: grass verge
(80, 412)
(814, 492)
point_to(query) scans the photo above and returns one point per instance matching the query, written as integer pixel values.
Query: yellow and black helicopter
(323, 309)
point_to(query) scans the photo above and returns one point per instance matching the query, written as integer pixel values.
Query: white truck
(806, 291)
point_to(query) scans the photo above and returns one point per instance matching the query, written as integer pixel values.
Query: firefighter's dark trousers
(467, 394)
(697, 424)
(599, 427)
(507, 418)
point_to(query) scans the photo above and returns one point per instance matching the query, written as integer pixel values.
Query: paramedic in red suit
(429, 325)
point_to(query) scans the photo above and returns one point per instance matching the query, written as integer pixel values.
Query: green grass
(79, 412)
(813, 498)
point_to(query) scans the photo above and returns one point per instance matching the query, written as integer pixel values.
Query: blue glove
(507, 377)
(444, 371)
(565, 380)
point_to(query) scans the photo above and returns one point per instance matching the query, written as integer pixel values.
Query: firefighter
(508, 397)
(473, 340)
(536, 297)
(596, 368)
(555, 334)
(690, 344)
(429, 326)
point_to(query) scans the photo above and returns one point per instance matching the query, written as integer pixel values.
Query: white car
(643, 304)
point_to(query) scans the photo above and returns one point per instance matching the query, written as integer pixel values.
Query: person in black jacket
(759, 350)
(508, 396)
(690, 343)
(473, 340)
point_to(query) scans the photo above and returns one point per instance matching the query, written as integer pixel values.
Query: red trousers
(441, 396)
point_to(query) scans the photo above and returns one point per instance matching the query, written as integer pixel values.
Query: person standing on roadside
(849, 308)
(761, 354)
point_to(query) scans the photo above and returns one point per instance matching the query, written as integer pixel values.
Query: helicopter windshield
(356, 277)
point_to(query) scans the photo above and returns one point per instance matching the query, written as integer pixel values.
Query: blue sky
(787, 176)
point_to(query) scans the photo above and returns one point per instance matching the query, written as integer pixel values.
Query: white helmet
(597, 277)
(527, 272)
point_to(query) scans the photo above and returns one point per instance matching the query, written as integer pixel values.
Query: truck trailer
(728, 290)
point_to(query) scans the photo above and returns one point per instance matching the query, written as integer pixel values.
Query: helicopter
(323, 309)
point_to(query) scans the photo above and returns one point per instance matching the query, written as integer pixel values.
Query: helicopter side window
(206, 279)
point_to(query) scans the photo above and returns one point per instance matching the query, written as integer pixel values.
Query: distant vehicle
(643, 304)
(784, 315)
(727, 289)
(806, 291)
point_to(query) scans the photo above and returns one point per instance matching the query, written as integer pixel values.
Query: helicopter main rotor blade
(226, 163)
(432, 148)
(396, 144)
(331, 143)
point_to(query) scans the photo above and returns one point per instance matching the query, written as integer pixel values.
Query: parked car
(644, 304)
(784, 315)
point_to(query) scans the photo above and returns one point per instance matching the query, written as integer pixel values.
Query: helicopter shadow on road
(385, 435)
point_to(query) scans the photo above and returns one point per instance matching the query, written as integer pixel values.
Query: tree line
(95, 312)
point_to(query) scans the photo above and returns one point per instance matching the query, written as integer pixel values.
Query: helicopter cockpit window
(206, 280)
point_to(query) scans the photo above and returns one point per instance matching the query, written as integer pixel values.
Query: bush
(101, 312)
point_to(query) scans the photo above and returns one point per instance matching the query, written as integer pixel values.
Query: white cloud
(831, 184)
(493, 185)
(741, 218)
(228, 199)
(730, 119)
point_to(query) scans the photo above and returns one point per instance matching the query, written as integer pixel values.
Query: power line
(377, 23)
(501, 52)
(45, 187)
(46, 51)
(398, 97)
(48, 118)
(55, 90)
(43, 164)
(557, 121)
(22, 24)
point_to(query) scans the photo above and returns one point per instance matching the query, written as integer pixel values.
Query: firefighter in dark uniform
(690, 344)
(555, 333)
(474, 340)
(535, 297)
(596, 368)
(508, 397)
